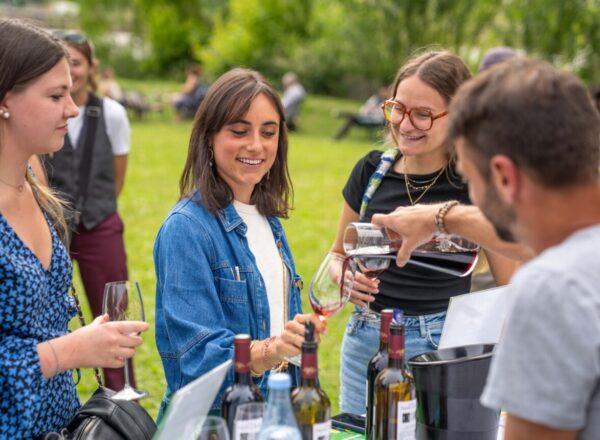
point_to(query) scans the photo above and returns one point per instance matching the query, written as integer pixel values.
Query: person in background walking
(292, 99)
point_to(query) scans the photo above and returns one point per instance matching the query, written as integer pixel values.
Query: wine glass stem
(126, 367)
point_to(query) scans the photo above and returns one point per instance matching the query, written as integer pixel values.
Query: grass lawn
(319, 169)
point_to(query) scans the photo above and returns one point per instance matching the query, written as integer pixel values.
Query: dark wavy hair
(228, 100)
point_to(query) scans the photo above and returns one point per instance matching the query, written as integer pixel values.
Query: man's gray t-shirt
(547, 366)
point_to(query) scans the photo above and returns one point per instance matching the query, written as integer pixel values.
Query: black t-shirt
(416, 290)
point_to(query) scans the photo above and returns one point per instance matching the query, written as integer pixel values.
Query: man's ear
(504, 176)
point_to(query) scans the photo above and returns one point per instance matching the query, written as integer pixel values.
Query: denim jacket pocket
(234, 300)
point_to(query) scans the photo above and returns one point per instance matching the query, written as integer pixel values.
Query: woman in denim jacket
(223, 263)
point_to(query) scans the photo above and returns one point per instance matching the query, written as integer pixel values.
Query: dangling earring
(212, 156)
(5, 114)
(268, 174)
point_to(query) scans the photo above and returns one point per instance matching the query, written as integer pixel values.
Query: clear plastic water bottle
(279, 422)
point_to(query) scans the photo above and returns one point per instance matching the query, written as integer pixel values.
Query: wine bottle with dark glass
(311, 405)
(242, 391)
(377, 363)
(395, 397)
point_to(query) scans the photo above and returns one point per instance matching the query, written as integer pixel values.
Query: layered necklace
(419, 185)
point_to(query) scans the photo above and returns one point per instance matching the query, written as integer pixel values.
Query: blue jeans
(361, 341)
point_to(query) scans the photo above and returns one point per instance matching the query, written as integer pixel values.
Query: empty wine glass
(123, 302)
(248, 421)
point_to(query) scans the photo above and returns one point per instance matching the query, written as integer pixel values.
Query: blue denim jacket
(200, 305)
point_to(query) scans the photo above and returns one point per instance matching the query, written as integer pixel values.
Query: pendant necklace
(424, 188)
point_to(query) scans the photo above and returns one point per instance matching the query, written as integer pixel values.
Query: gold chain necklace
(17, 187)
(424, 188)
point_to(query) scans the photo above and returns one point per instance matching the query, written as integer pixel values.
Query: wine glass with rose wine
(330, 288)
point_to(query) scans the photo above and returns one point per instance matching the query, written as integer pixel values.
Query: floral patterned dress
(34, 306)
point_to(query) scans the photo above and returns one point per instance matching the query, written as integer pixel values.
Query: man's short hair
(540, 117)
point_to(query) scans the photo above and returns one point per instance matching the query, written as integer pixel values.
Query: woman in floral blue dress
(37, 393)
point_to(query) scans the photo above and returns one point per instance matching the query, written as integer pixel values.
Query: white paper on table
(476, 318)
(190, 404)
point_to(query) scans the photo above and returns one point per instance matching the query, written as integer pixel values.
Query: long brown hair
(227, 100)
(26, 53)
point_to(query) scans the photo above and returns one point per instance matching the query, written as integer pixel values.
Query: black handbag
(102, 418)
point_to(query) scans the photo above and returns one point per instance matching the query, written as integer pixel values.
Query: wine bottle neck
(383, 345)
(242, 378)
(309, 371)
(396, 349)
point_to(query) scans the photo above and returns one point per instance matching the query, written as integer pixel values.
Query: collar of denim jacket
(230, 219)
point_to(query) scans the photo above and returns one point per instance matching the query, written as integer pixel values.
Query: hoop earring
(212, 156)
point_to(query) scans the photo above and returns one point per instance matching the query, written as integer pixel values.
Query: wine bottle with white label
(311, 405)
(395, 397)
(243, 390)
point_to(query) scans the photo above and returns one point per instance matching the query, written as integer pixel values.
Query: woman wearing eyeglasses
(419, 169)
(90, 171)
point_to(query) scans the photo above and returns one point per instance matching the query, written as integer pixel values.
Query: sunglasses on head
(70, 36)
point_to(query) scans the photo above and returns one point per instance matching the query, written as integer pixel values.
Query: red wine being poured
(453, 256)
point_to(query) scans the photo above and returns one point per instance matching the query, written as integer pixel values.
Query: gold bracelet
(441, 215)
(252, 372)
(57, 371)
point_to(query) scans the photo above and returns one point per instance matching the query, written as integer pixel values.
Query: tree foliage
(350, 46)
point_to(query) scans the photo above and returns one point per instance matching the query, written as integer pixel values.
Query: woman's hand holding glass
(123, 302)
(107, 344)
(363, 290)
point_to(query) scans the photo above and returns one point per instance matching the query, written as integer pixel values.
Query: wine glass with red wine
(331, 285)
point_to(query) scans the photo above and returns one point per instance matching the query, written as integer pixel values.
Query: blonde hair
(52, 205)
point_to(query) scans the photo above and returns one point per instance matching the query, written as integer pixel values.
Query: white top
(270, 265)
(117, 126)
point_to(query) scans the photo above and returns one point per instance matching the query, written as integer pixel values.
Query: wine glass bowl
(123, 302)
(331, 286)
(248, 420)
(210, 428)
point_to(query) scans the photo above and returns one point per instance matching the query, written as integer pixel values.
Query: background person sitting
(192, 93)
(293, 96)
(369, 115)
